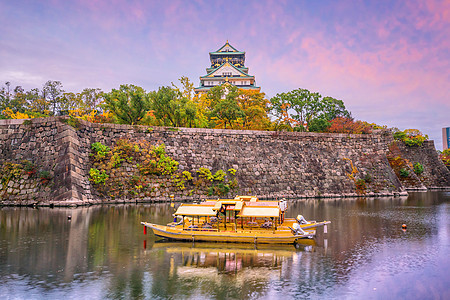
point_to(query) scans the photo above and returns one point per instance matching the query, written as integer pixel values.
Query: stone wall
(48, 145)
(268, 164)
(435, 174)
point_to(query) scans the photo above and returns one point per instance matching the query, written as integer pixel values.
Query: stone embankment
(47, 162)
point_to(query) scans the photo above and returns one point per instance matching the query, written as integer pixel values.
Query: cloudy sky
(388, 60)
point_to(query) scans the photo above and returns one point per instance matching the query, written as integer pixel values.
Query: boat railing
(200, 229)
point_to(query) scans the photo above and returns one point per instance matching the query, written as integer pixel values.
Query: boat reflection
(209, 260)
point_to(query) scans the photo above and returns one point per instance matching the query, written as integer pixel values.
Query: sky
(389, 61)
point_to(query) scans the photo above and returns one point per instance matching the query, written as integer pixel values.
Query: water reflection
(102, 252)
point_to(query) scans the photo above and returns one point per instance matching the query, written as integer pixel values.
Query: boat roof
(249, 211)
(195, 210)
(246, 206)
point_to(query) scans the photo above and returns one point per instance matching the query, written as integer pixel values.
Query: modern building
(446, 137)
(227, 66)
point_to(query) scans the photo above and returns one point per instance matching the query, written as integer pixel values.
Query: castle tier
(227, 66)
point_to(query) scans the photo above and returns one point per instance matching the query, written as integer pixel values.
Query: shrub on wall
(99, 150)
(411, 137)
(418, 168)
(404, 172)
(140, 169)
(348, 125)
(445, 157)
(98, 177)
(360, 184)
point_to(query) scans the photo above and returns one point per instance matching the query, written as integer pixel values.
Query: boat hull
(242, 236)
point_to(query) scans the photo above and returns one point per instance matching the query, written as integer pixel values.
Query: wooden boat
(244, 219)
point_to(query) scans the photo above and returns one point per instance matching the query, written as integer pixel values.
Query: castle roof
(227, 49)
(226, 64)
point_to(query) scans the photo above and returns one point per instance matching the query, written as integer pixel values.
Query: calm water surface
(102, 253)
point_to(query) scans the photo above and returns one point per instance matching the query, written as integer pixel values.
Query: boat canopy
(249, 211)
(195, 210)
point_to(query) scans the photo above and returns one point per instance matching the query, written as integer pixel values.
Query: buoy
(403, 226)
(325, 229)
(145, 229)
(145, 244)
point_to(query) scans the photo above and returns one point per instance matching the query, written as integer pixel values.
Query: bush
(232, 171)
(348, 125)
(399, 135)
(360, 184)
(445, 157)
(368, 178)
(204, 173)
(45, 176)
(219, 175)
(411, 137)
(156, 162)
(404, 172)
(418, 168)
(98, 177)
(28, 167)
(100, 150)
(319, 125)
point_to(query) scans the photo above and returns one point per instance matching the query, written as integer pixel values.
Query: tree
(52, 92)
(129, 103)
(69, 102)
(90, 99)
(299, 107)
(255, 107)
(36, 102)
(5, 96)
(348, 125)
(187, 87)
(173, 107)
(224, 106)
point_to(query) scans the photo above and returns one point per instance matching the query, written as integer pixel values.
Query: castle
(227, 66)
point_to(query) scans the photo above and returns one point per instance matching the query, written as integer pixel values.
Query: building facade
(446, 137)
(227, 66)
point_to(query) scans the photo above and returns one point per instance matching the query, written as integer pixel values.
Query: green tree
(300, 107)
(225, 108)
(173, 107)
(52, 92)
(129, 103)
(5, 96)
(36, 102)
(90, 99)
(69, 101)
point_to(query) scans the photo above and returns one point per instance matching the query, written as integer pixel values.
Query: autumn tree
(348, 125)
(129, 103)
(255, 107)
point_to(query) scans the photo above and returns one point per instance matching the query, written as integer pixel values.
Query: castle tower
(227, 65)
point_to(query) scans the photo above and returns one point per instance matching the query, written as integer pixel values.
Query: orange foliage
(347, 125)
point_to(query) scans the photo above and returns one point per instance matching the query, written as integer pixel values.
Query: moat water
(102, 253)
